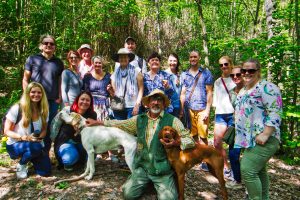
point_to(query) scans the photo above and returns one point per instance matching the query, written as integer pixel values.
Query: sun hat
(123, 51)
(129, 38)
(146, 99)
(84, 46)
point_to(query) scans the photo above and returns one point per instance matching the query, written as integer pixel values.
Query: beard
(155, 110)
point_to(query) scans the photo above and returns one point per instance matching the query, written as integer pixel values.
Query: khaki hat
(123, 51)
(84, 46)
(146, 99)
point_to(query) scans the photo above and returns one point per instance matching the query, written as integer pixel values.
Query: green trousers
(137, 183)
(253, 169)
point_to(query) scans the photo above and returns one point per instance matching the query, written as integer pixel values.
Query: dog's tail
(70, 179)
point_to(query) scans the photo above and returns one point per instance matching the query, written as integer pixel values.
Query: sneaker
(68, 168)
(233, 185)
(204, 167)
(21, 171)
(228, 174)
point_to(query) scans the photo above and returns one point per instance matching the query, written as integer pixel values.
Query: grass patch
(63, 185)
(5, 162)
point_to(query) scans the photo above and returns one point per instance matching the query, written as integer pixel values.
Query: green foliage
(63, 185)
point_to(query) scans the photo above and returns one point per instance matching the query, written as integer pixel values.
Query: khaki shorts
(198, 126)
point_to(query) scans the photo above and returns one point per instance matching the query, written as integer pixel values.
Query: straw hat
(123, 51)
(84, 46)
(146, 99)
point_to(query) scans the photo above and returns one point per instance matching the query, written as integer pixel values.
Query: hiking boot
(21, 171)
(204, 167)
(233, 185)
(228, 174)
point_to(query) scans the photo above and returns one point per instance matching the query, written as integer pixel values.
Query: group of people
(152, 99)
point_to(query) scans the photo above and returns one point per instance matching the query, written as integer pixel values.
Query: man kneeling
(150, 162)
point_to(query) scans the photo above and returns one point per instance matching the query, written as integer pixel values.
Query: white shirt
(129, 101)
(221, 98)
(19, 129)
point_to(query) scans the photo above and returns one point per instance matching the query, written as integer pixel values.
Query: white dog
(100, 139)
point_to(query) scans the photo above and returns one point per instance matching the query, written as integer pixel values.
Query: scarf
(128, 72)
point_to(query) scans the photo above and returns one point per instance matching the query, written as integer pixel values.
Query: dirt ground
(106, 184)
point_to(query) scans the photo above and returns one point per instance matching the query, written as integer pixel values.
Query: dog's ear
(160, 134)
(175, 134)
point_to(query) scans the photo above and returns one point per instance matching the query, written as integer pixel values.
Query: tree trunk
(269, 8)
(204, 33)
(255, 21)
(158, 26)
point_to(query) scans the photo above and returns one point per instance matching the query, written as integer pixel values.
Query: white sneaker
(233, 185)
(21, 171)
(228, 174)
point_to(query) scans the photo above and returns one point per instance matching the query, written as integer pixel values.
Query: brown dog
(182, 161)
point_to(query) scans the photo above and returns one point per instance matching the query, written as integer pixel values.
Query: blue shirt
(175, 98)
(46, 72)
(157, 83)
(199, 97)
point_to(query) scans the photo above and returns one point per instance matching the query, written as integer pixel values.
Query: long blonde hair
(27, 106)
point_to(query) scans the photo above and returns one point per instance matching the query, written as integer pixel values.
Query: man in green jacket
(150, 162)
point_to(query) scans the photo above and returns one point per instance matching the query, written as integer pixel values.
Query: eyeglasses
(73, 57)
(48, 43)
(235, 75)
(250, 71)
(224, 64)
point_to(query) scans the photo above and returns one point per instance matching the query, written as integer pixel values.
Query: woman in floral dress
(257, 113)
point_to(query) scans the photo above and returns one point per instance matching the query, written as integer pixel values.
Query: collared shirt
(46, 72)
(199, 97)
(130, 126)
(256, 108)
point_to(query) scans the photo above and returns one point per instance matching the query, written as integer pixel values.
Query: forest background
(267, 30)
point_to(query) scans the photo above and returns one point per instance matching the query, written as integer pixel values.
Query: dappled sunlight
(211, 179)
(207, 195)
(4, 192)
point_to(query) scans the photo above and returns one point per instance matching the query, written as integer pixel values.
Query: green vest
(153, 160)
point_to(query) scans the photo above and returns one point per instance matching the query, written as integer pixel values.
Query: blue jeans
(31, 152)
(53, 108)
(124, 114)
(69, 154)
(234, 157)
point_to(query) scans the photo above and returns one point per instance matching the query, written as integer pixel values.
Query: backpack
(19, 117)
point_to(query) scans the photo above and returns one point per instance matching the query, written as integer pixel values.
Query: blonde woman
(26, 134)
(223, 87)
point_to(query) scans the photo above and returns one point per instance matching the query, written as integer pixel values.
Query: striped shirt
(130, 126)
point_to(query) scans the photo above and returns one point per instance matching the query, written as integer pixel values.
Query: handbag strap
(125, 87)
(194, 86)
(226, 88)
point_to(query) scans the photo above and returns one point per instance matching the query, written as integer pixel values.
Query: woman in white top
(25, 126)
(127, 82)
(223, 87)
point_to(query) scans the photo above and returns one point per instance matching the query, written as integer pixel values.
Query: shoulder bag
(229, 135)
(118, 103)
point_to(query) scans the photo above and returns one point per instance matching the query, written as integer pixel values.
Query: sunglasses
(73, 58)
(235, 75)
(250, 71)
(48, 43)
(224, 64)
